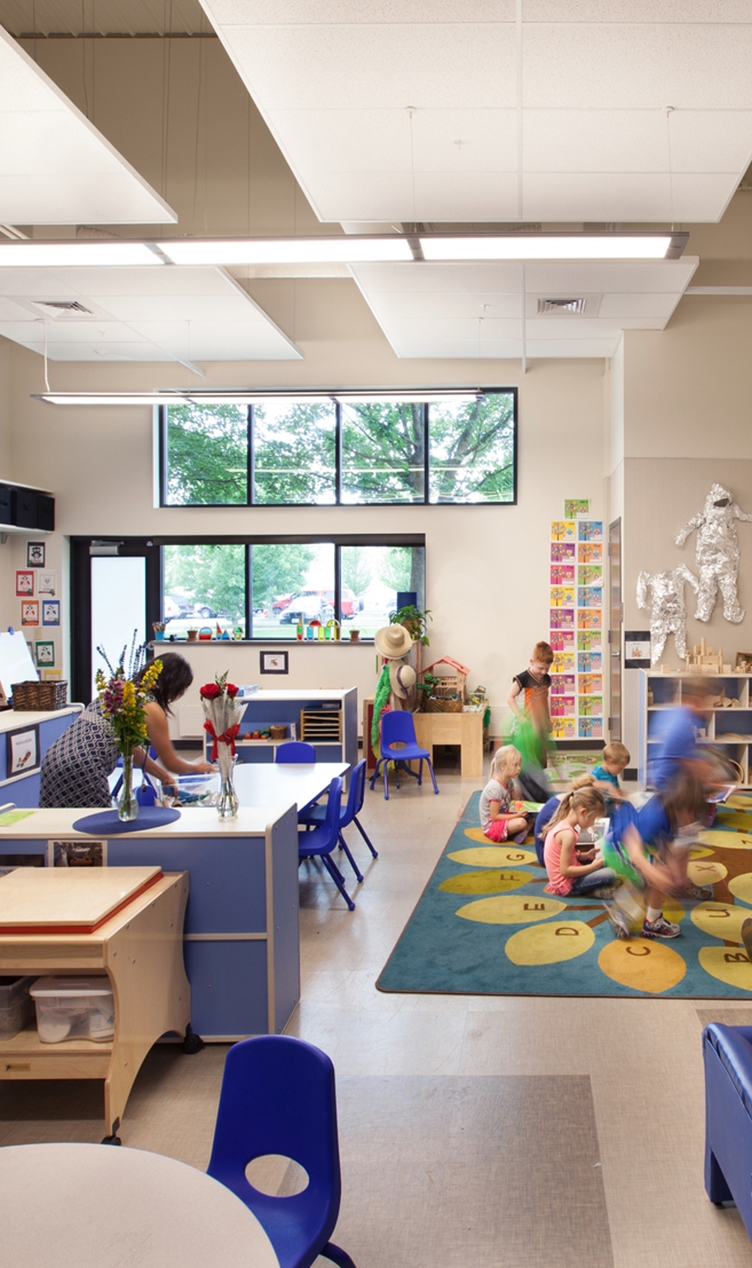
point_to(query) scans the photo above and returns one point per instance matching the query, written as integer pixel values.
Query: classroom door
(614, 629)
(115, 592)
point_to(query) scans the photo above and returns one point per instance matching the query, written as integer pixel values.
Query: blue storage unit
(286, 707)
(24, 789)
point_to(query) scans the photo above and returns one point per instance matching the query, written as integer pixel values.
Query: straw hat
(393, 641)
(401, 679)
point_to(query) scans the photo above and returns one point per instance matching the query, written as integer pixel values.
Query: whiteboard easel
(16, 664)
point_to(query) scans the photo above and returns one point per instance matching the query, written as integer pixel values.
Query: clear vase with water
(127, 803)
(227, 799)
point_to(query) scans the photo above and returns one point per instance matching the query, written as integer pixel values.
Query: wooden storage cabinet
(730, 725)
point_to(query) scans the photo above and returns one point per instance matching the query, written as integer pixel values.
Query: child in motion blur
(495, 800)
(570, 871)
(649, 850)
(533, 685)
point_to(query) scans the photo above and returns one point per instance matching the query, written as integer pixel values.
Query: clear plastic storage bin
(74, 1008)
(192, 790)
(16, 1007)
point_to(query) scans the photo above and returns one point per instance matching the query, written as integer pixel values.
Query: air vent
(562, 306)
(62, 308)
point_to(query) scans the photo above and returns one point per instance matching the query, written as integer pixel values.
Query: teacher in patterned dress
(76, 768)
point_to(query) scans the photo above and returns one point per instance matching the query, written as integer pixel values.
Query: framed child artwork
(562, 574)
(561, 640)
(35, 554)
(576, 508)
(44, 652)
(562, 551)
(563, 530)
(22, 750)
(52, 675)
(589, 641)
(561, 619)
(30, 612)
(590, 553)
(590, 530)
(50, 611)
(562, 596)
(590, 597)
(25, 583)
(47, 583)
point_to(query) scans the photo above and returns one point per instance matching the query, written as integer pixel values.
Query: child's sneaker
(697, 893)
(660, 928)
(619, 922)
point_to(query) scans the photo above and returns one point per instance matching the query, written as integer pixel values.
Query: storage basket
(41, 696)
(437, 705)
(278, 731)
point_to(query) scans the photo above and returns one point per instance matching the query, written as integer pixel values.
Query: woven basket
(443, 706)
(278, 732)
(39, 696)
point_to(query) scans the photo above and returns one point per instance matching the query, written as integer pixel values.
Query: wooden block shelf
(326, 717)
(318, 724)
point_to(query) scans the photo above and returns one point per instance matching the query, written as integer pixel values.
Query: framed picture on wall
(24, 583)
(35, 554)
(273, 663)
(52, 675)
(46, 583)
(22, 751)
(30, 612)
(44, 652)
(50, 611)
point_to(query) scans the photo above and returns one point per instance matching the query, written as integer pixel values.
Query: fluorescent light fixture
(345, 250)
(253, 398)
(187, 397)
(107, 398)
(406, 398)
(75, 253)
(565, 246)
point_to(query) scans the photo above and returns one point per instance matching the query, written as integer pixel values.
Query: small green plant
(414, 621)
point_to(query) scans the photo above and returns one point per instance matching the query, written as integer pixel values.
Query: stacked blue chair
(278, 1097)
(313, 815)
(321, 841)
(295, 751)
(397, 727)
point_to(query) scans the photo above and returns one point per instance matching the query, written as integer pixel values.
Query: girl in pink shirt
(569, 872)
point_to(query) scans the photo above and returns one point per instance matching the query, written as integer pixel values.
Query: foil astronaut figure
(668, 612)
(717, 553)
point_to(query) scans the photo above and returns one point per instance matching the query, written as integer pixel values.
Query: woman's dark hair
(175, 678)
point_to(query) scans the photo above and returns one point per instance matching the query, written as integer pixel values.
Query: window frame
(163, 450)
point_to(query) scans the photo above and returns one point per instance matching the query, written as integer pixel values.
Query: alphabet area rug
(485, 926)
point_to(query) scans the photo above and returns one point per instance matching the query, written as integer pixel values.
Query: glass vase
(127, 804)
(227, 800)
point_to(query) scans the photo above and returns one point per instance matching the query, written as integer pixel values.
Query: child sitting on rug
(569, 871)
(497, 822)
(616, 757)
(549, 809)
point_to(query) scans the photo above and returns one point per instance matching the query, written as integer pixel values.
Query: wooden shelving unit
(730, 723)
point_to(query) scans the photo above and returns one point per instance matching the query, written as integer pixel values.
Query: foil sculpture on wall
(668, 612)
(717, 553)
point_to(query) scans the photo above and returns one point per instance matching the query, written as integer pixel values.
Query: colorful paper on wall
(576, 623)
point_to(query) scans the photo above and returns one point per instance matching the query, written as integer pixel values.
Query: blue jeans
(584, 885)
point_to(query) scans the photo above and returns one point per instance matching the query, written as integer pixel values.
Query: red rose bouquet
(223, 715)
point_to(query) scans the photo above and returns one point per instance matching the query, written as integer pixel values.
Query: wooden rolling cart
(126, 922)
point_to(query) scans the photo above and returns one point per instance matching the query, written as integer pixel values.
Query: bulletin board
(576, 585)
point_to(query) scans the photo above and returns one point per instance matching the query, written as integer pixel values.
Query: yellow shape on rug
(699, 852)
(642, 965)
(737, 802)
(726, 840)
(741, 887)
(729, 966)
(721, 920)
(486, 882)
(515, 910)
(494, 856)
(551, 943)
(733, 819)
(703, 873)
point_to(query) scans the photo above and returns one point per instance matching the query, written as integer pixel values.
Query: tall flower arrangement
(223, 714)
(123, 701)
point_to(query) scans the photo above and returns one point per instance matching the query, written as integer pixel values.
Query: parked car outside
(309, 606)
(280, 603)
(173, 606)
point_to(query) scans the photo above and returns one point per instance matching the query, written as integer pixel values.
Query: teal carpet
(484, 926)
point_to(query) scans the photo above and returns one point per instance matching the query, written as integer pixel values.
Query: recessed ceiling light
(73, 254)
(345, 250)
(572, 246)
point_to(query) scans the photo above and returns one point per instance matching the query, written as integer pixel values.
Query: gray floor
(471, 1127)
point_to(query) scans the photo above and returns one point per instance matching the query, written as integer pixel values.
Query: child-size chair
(397, 727)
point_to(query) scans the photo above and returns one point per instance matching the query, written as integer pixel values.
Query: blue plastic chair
(397, 727)
(321, 841)
(313, 815)
(278, 1097)
(295, 751)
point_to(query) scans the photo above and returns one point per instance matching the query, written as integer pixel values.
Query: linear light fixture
(177, 397)
(392, 249)
(74, 253)
(564, 246)
(347, 249)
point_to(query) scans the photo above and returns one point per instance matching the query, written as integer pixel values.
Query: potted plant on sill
(414, 621)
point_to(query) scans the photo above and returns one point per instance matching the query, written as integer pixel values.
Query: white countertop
(313, 694)
(16, 720)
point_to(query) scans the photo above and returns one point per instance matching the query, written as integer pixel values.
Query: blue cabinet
(326, 718)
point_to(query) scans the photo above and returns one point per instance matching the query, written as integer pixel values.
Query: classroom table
(74, 1204)
(284, 782)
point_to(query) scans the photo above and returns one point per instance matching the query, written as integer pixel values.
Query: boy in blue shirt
(615, 758)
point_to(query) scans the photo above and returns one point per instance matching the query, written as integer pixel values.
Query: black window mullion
(338, 454)
(249, 589)
(250, 459)
(426, 443)
(162, 455)
(338, 584)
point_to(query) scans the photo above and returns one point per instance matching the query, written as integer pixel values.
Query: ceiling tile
(547, 349)
(295, 12)
(55, 167)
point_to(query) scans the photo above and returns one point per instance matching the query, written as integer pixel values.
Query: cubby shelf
(661, 692)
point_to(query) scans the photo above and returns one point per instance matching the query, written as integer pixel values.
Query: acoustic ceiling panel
(55, 167)
(481, 312)
(144, 314)
(438, 112)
